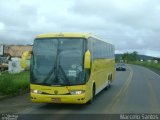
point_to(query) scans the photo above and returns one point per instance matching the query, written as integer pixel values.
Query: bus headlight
(36, 91)
(76, 92)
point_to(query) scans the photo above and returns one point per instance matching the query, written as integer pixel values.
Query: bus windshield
(58, 61)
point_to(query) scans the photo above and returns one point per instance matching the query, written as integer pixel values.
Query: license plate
(56, 99)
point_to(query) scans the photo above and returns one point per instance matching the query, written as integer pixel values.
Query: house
(156, 60)
(16, 50)
(1, 49)
(10, 52)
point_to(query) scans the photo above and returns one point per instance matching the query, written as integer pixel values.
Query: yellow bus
(69, 67)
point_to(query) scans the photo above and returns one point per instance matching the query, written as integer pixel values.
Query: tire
(117, 69)
(109, 83)
(93, 95)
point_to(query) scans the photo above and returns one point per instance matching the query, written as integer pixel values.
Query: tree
(129, 57)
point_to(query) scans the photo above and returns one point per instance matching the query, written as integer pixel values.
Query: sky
(131, 25)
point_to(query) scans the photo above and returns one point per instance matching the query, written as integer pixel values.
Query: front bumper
(120, 69)
(74, 99)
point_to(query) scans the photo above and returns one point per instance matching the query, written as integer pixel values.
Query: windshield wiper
(53, 71)
(63, 74)
(50, 74)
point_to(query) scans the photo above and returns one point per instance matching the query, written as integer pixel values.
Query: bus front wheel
(108, 82)
(93, 94)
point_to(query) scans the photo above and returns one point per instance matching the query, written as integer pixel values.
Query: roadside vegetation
(11, 84)
(148, 64)
(132, 58)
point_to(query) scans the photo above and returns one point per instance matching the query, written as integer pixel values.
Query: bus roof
(69, 35)
(75, 35)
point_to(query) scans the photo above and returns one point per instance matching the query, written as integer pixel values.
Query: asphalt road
(136, 90)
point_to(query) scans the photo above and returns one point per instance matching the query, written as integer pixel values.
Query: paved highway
(136, 90)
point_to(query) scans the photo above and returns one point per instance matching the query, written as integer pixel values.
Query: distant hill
(144, 57)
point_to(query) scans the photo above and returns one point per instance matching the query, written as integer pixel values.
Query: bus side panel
(101, 69)
(103, 62)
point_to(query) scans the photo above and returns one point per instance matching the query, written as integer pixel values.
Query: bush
(148, 64)
(14, 83)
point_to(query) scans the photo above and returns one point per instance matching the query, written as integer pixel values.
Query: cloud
(2, 26)
(128, 24)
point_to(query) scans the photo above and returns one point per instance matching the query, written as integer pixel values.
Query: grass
(11, 84)
(148, 64)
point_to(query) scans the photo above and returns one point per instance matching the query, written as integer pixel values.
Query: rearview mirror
(24, 58)
(87, 60)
